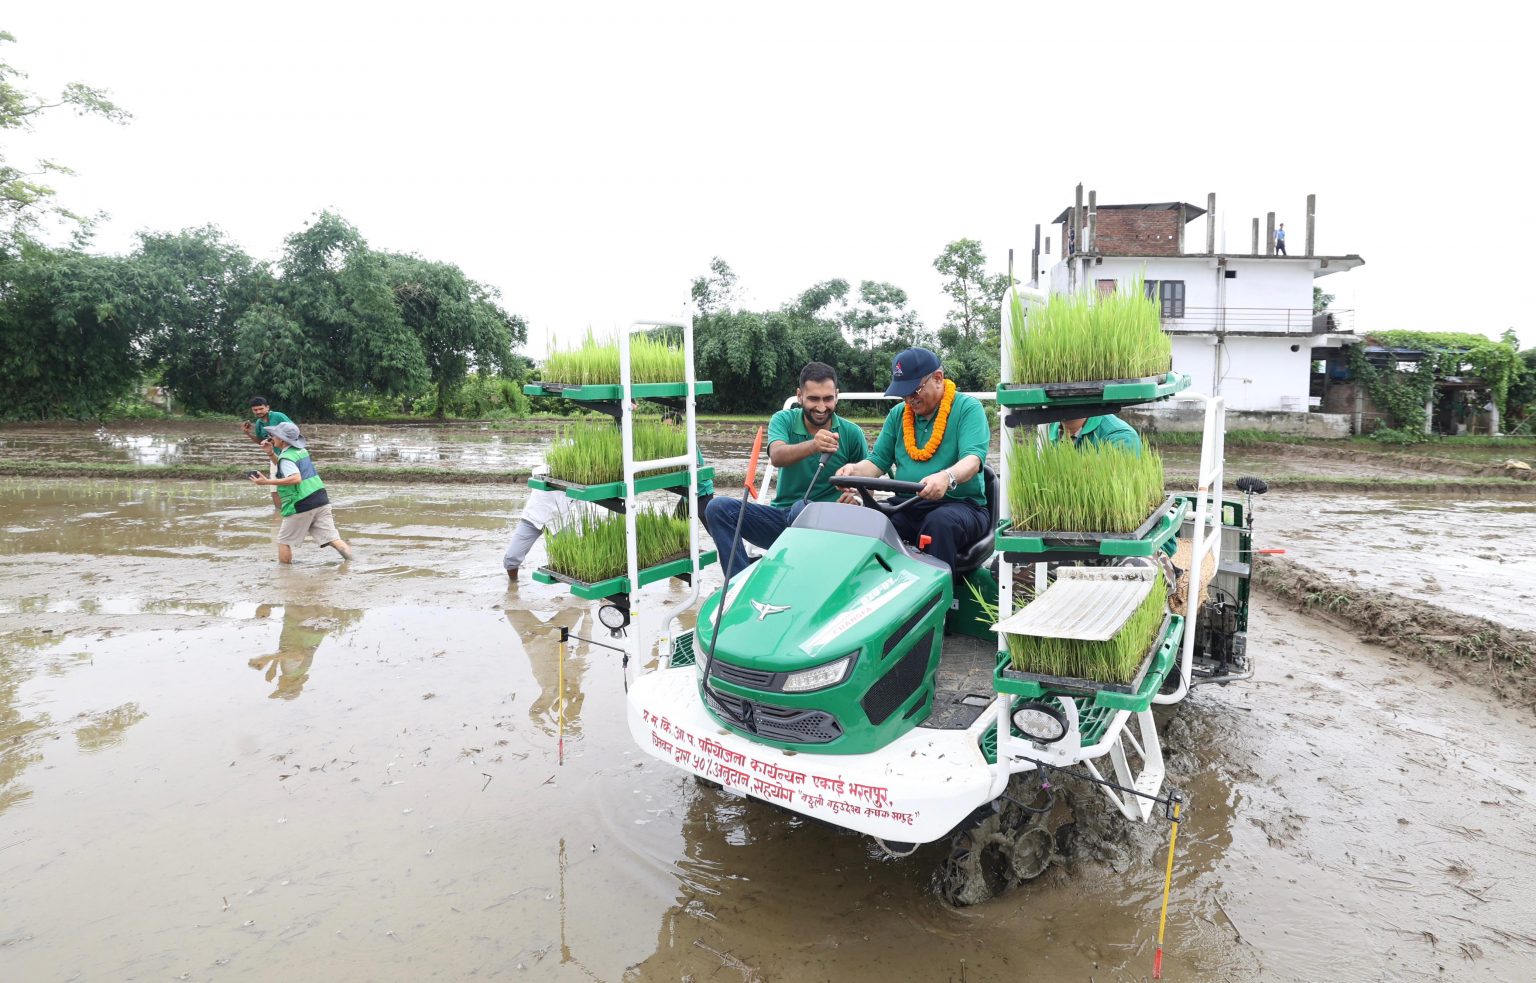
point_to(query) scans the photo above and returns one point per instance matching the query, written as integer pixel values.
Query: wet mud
(213, 768)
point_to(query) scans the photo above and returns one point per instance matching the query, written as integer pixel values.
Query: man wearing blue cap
(938, 437)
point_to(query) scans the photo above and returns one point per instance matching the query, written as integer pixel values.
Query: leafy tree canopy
(25, 197)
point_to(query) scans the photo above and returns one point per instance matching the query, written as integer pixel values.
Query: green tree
(330, 326)
(70, 331)
(977, 294)
(199, 286)
(24, 196)
(716, 290)
(458, 322)
(1320, 300)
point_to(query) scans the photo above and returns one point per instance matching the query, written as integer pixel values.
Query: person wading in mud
(265, 416)
(305, 505)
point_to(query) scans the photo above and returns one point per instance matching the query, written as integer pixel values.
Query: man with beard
(797, 440)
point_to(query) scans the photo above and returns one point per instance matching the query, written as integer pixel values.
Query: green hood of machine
(814, 596)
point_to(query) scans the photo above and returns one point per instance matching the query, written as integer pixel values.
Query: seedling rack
(1098, 714)
(680, 475)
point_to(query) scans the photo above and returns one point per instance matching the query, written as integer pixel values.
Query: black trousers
(953, 524)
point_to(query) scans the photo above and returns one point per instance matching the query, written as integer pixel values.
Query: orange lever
(923, 541)
(1270, 552)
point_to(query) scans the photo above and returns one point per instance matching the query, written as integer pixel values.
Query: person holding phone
(305, 505)
(256, 430)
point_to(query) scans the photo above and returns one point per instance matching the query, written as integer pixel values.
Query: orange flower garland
(909, 422)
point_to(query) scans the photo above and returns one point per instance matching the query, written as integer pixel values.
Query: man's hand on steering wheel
(848, 495)
(935, 486)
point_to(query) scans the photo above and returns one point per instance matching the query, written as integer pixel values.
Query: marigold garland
(909, 422)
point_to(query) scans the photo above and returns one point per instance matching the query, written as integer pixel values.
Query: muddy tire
(703, 782)
(993, 853)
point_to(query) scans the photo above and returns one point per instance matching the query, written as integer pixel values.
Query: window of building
(1171, 293)
(1106, 286)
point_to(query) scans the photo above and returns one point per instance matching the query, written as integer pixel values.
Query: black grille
(901, 682)
(787, 724)
(899, 634)
(742, 676)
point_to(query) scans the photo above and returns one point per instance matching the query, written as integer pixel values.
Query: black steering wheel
(864, 486)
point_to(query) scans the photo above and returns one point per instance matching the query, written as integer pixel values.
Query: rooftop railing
(1261, 320)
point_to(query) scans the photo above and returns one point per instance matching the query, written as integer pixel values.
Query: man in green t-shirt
(937, 437)
(807, 445)
(1098, 431)
(256, 430)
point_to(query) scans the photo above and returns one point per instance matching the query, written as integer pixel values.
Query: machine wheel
(703, 782)
(999, 848)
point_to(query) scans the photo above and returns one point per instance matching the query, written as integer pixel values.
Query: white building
(1242, 323)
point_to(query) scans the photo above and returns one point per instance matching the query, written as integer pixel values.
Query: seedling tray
(615, 489)
(1124, 392)
(1134, 696)
(620, 585)
(1025, 546)
(639, 390)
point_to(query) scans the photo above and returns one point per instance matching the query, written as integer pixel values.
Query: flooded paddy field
(213, 768)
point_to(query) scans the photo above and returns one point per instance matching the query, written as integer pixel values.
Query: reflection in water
(106, 729)
(540, 634)
(305, 626)
(19, 734)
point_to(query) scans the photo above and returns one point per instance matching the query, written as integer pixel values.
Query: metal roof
(1191, 212)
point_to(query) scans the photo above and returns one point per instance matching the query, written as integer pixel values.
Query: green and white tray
(620, 585)
(615, 489)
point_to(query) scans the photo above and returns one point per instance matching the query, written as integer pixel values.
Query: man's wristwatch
(952, 480)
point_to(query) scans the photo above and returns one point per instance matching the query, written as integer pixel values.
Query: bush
(1398, 436)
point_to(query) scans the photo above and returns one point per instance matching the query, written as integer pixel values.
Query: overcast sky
(589, 159)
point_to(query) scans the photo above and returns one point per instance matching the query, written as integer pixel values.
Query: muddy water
(1474, 557)
(212, 768)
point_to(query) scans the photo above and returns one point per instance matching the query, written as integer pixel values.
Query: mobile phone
(253, 474)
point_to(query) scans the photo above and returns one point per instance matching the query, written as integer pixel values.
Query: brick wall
(1134, 232)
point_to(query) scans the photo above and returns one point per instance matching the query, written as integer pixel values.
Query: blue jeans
(760, 527)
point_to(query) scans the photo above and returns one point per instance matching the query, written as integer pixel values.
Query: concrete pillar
(1311, 221)
(1359, 421)
(1429, 413)
(1269, 235)
(1090, 243)
(1210, 223)
(1075, 235)
(1255, 236)
(1034, 259)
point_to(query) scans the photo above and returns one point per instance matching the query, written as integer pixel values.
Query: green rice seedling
(592, 453)
(589, 544)
(1113, 661)
(1086, 337)
(596, 363)
(1059, 487)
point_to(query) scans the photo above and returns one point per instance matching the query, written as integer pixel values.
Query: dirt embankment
(1476, 649)
(1428, 463)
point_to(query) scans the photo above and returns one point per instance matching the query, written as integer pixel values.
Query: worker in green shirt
(798, 440)
(1098, 431)
(939, 438)
(256, 429)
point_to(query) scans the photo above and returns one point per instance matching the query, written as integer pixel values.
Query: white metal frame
(632, 468)
(1119, 741)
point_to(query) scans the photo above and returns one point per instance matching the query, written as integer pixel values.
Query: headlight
(829, 674)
